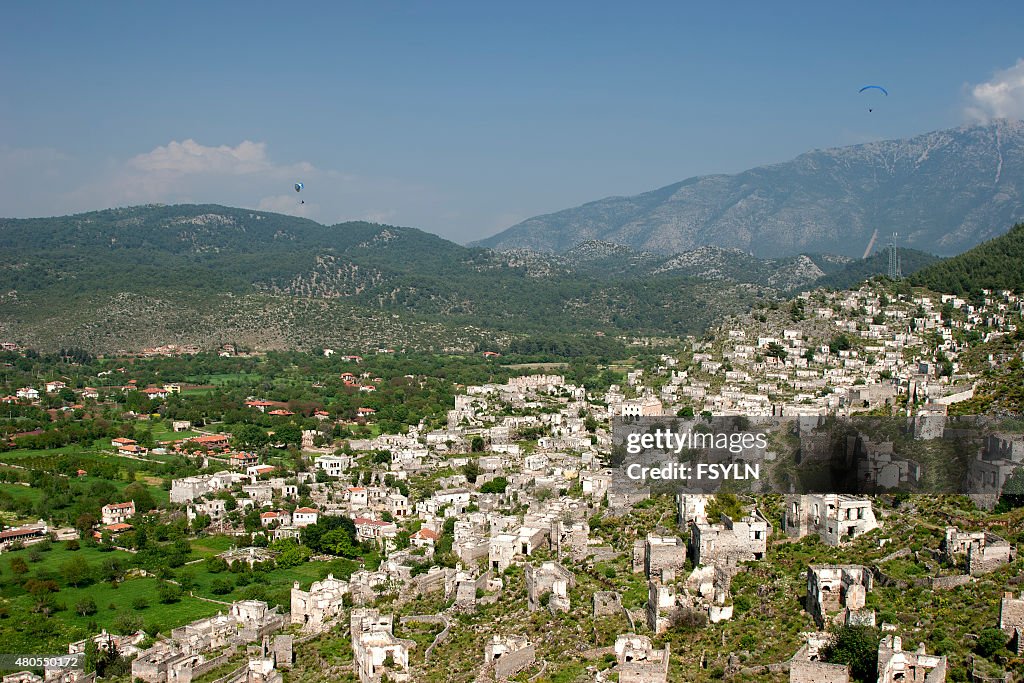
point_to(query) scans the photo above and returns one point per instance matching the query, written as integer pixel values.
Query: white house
(304, 517)
(117, 513)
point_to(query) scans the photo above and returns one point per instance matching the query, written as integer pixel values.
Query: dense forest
(997, 264)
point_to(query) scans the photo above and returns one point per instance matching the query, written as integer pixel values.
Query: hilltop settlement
(192, 516)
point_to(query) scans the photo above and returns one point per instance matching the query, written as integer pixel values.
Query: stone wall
(511, 663)
(818, 672)
(1011, 613)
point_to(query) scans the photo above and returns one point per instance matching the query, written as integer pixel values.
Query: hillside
(996, 264)
(943, 192)
(127, 278)
(856, 271)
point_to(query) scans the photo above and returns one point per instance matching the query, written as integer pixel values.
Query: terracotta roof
(18, 533)
(427, 534)
(366, 521)
(307, 510)
(209, 438)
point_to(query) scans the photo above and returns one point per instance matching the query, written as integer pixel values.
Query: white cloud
(1001, 97)
(191, 157)
(46, 182)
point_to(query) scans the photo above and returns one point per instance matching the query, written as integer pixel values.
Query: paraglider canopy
(298, 187)
(874, 87)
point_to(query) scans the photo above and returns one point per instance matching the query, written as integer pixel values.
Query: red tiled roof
(209, 438)
(427, 534)
(19, 533)
(366, 521)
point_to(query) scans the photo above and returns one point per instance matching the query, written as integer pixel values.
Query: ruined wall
(818, 672)
(1011, 613)
(511, 663)
(607, 603)
(995, 553)
(660, 557)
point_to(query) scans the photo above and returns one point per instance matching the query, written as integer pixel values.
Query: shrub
(990, 641)
(856, 646)
(86, 606)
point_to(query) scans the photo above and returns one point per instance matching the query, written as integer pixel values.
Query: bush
(856, 646)
(140, 603)
(72, 544)
(990, 641)
(86, 606)
(169, 593)
(126, 622)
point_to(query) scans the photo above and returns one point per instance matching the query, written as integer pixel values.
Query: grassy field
(19, 492)
(222, 379)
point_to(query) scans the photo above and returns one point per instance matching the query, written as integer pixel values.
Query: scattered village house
(506, 656)
(377, 652)
(550, 581)
(1011, 620)
(910, 667)
(730, 542)
(638, 661)
(834, 588)
(984, 551)
(834, 517)
(304, 516)
(30, 533)
(806, 665)
(118, 513)
(320, 605)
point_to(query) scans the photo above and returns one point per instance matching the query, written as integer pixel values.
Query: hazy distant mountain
(123, 279)
(943, 192)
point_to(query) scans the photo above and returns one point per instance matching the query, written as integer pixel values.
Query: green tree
(76, 571)
(496, 485)
(169, 593)
(293, 555)
(856, 646)
(18, 566)
(86, 606)
(471, 469)
(840, 342)
(250, 436)
(990, 642)
(139, 493)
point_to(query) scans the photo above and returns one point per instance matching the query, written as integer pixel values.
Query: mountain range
(942, 192)
(128, 278)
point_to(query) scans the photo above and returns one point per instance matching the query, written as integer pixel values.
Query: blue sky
(463, 118)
